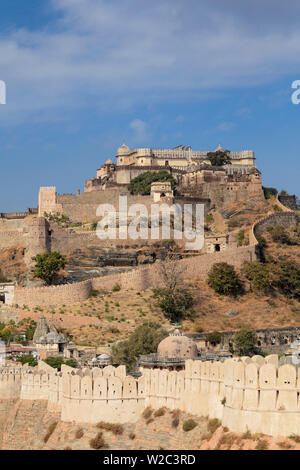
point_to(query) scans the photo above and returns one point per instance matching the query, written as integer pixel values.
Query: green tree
(269, 192)
(48, 266)
(27, 359)
(258, 274)
(173, 298)
(142, 184)
(223, 278)
(29, 333)
(143, 340)
(214, 338)
(55, 362)
(219, 157)
(245, 342)
(286, 277)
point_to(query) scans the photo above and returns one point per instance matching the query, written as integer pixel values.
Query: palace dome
(109, 162)
(177, 346)
(123, 150)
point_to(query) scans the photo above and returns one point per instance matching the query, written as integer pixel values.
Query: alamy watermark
(2, 92)
(164, 222)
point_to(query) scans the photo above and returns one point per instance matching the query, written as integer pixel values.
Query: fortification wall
(254, 394)
(52, 295)
(140, 278)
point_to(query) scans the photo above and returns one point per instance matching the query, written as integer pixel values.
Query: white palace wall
(244, 394)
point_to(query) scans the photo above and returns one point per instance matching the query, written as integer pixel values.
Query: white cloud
(139, 128)
(112, 55)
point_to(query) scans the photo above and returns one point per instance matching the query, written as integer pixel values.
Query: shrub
(284, 445)
(188, 425)
(79, 433)
(258, 274)
(131, 436)
(93, 293)
(286, 277)
(149, 421)
(280, 235)
(223, 278)
(116, 288)
(147, 412)
(269, 192)
(241, 237)
(98, 442)
(213, 425)
(295, 437)
(262, 444)
(159, 412)
(116, 429)
(51, 429)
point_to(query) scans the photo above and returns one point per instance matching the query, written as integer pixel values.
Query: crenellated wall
(254, 394)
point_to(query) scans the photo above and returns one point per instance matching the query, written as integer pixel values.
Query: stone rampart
(254, 394)
(195, 267)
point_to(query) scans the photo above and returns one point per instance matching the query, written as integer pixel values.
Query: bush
(116, 429)
(214, 338)
(93, 293)
(131, 436)
(224, 280)
(159, 412)
(147, 412)
(269, 192)
(27, 359)
(51, 429)
(116, 288)
(262, 444)
(245, 341)
(241, 237)
(280, 235)
(188, 425)
(258, 274)
(286, 277)
(79, 433)
(213, 425)
(98, 442)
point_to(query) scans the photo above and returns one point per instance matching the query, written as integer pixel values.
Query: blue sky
(84, 75)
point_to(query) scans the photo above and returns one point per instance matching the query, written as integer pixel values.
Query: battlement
(244, 393)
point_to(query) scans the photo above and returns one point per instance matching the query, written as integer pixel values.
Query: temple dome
(109, 162)
(177, 346)
(123, 150)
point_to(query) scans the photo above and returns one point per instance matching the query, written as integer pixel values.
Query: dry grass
(284, 445)
(262, 444)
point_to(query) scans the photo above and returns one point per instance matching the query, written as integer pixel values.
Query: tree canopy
(143, 340)
(142, 184)
(48, 266)
(223, 278)
(219, 157)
